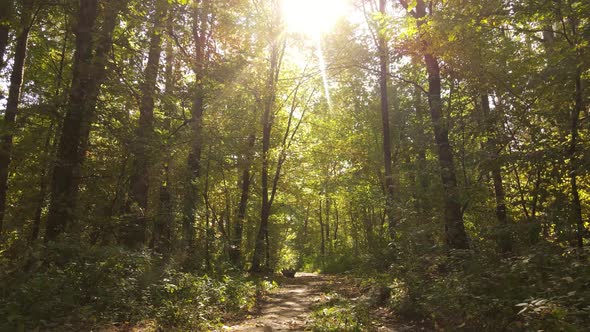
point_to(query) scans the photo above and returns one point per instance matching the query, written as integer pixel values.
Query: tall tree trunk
(327, 225)
(5, 16)
(336, 222)
(455, 230)
(209, 224)
(200, 35)
(323, 238)
(238, 225)
(89, 70)
(305, 225)
(50, 143)
(422, 181)
(142, 162)
(387, 162)
(163, 226)
(267, 119)
(456, 237)
(575, 119)
(47, 147)
(14, 93)
(259, 247)
(369, 231)
(504, 238)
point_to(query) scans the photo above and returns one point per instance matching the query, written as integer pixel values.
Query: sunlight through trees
(169, 155)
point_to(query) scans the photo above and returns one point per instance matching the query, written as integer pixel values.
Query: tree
(5, 17)
(492, 148)
(387, 161)
(455, 230)
(142, 155)
(89, 70)
(16, 80)
(201, 32)
(244, 184)
(276, 49)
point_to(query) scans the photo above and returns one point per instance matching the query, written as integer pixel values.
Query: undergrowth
(544, 288)
(69, 286)
(340, 314)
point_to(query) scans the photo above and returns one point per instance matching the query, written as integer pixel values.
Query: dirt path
(289, 307)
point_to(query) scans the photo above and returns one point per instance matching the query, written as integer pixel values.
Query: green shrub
(547, 289)
(338, 314)
(70, 287)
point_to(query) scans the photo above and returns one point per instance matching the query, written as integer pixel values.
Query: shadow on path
(288, 308)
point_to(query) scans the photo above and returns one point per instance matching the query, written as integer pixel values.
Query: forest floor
(291, 307)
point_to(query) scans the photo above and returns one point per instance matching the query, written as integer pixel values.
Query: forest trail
(289, 308)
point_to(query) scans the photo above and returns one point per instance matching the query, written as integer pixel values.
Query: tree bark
(327, 225)
(163, 226)
(142, 160)
(260, 248)
(47, 147)
(14, 94)
(573, 162)
(238, 226)
(323, 238)
(5, 16)
(387, 161)
(209, 224)
(200, 36)
(422, 181)
(504, 238)
(89, 70)
(336, 222)
(455, 230)
(456, 237)
(50, 144)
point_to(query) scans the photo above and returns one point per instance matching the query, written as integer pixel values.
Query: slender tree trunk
(267, 119)
(209, 224)
(305, 225)
(163, 227)
(208, 228)
(337, 222)
(50, 143)
(238, 225)
(138, 201)
(327, 225)
(456, 237)
(504, 238)
(323, 238)
(422, 181)
(5, 16)
(368, 223)
(200, 37)
(575, 119)
(89, 70)
(259, 247)
(537, 226)
(454, 227)
(14, 94)
(47, 147)
(387, 161)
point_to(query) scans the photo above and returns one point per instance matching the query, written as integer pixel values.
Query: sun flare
(312, 17)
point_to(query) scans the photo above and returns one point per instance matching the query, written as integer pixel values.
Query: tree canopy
(440, 147)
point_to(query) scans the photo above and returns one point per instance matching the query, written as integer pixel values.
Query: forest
(425, 164)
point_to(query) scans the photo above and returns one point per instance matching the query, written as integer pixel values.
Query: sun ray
(322, 65)
(312, 17)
